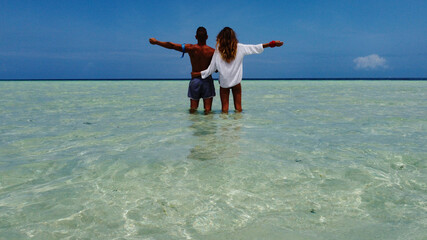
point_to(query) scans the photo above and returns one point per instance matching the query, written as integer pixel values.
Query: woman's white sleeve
(212, 67)
(253, 49)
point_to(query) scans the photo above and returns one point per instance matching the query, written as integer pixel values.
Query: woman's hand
(279, 43)
(273, 44)
(195, 74)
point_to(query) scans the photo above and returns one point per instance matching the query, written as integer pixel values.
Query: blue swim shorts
(201, 88)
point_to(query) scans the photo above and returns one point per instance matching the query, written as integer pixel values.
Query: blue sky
(109, 39)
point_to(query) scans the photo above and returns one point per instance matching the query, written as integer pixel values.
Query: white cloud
(372, 61)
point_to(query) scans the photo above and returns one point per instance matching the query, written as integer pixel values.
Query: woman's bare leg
(225, 95)
(237, 97)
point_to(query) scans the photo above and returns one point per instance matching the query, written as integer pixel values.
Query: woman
(227, 60)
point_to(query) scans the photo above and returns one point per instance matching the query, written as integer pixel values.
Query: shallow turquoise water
(125, 160)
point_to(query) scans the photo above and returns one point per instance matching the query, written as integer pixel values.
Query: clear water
(125, 160)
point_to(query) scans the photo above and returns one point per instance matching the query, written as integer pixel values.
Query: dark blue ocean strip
(246, 79)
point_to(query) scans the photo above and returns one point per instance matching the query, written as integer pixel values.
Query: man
(200, 57)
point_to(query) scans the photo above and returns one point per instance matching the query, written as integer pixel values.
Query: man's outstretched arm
(168, 45)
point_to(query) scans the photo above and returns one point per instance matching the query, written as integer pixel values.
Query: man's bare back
(200, 56)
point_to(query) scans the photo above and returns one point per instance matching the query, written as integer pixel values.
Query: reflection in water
(216, 138)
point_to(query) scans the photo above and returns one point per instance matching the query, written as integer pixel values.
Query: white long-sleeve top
(230, 74)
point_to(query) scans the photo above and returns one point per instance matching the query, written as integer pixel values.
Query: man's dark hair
(201, 33)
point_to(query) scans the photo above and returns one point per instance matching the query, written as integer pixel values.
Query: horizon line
(187, 79)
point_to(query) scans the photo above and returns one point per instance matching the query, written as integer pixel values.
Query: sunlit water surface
(125, 160)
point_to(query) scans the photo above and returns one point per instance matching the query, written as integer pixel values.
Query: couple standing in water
(227, 59)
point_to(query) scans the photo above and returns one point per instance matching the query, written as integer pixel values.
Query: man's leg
(207, 103)
(225, 95)
(237, 97)
(194, 104)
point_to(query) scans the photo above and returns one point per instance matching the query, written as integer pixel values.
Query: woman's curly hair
(226, 42)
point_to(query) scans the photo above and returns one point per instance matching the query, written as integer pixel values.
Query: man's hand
(153, 41)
